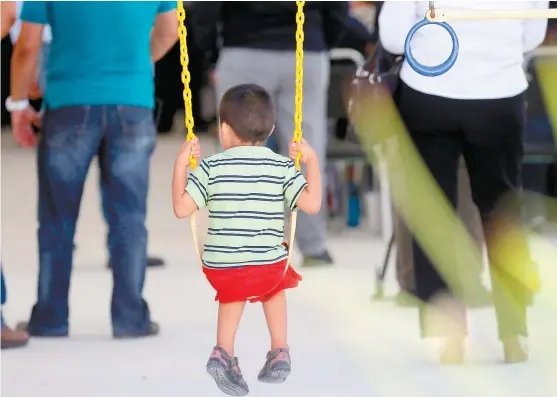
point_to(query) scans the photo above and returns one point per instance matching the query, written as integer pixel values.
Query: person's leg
(311, 232)
(9, 338)
(475, 293)
(3, 292)
(277, 365)
(152, 261)
(467, 209)
(4, 296)
(534, 180)
(70, 139)
(245, 66)
(275, 314)
(223, 366)
(127, 147)
(433, 129)
(404, 260)
(229, 318)
(493, 154)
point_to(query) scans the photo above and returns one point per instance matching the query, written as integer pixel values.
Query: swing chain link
(300, 19)
(186, 77)
(432, 9)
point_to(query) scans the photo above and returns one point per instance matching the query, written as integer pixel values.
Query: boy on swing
(245, 257)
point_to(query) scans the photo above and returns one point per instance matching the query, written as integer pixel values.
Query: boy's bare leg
(275, 314)
(222, 365)
(277, 366)
(229, 318)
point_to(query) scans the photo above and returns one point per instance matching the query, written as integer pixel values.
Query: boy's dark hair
(249, 110)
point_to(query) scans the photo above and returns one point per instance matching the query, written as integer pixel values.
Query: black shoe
(153, 330)
(515, 349)
(452, 353)
(151, 262)
(323, 259)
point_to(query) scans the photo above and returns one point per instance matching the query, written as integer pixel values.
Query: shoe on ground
(153, 330)
(323, 259)
(452, 352)
(23, 326)
(515, 349)
(151, 262)
(12, 339)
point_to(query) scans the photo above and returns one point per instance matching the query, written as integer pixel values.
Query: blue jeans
(43, 63)
(124, 139)
(3, 293)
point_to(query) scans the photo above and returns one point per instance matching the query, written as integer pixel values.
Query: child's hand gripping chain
(310, 199)
(188, 150)
(182, 202)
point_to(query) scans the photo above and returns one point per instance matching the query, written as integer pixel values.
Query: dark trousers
(124, 139)
(488, 135)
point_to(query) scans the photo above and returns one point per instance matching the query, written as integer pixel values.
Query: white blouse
(491, 55)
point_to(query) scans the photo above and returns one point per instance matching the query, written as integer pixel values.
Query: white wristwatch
(14, 106)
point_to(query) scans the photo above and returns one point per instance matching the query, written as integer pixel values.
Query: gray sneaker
(226, 372)
(276, 368)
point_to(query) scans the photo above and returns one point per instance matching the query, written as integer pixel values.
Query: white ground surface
(343, 345)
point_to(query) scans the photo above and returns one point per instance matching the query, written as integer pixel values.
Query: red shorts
(251, 283)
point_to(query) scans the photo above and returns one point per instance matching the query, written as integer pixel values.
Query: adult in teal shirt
(99, 99)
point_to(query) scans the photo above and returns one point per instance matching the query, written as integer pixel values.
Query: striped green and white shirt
(245, 189)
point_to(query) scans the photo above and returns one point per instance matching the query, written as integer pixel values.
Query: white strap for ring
(452, 15)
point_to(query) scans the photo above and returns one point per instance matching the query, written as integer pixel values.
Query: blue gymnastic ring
(431, 71)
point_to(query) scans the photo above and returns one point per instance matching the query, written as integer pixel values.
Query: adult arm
(335, 17)
(165, 30)
(395, 21)
(534, 30)
(9, 16)
(206, 16)
(27, 48)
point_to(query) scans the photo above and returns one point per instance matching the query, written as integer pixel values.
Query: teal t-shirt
(100, 50)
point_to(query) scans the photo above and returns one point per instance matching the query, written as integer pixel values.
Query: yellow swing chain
(186, 77)
(298, 99)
